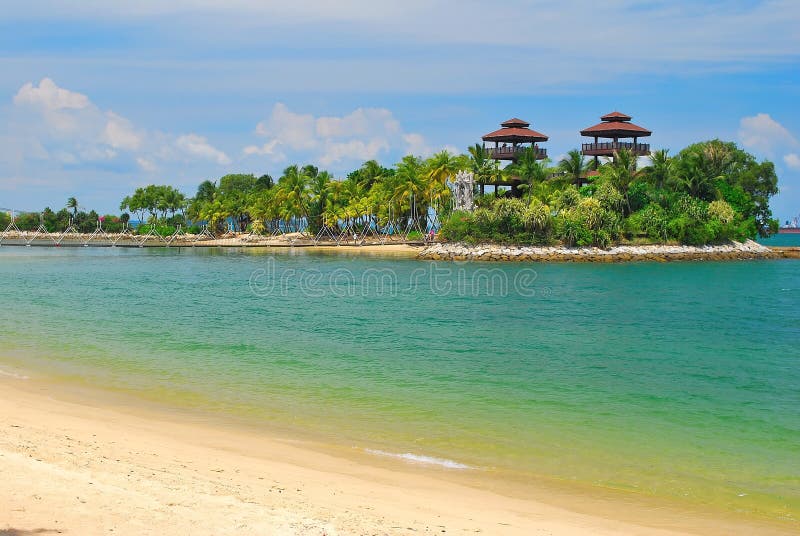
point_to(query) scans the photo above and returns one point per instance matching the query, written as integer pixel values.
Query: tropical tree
(439, 169)
(410, 187)
(660, 171)
(293, 192)
(72, 204)
(319, 192)
(621, 172)
(575, 166)
(530, 170)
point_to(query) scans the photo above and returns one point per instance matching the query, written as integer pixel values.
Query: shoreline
(624, 253)
(86, 461)
(456, 251)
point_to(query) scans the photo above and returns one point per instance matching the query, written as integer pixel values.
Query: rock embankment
(657, 253)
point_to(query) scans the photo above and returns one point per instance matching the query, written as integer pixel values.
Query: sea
(676, 381)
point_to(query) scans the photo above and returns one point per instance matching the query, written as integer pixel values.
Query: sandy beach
(70, 466)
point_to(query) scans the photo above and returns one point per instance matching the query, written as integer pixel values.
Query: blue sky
(96, 100)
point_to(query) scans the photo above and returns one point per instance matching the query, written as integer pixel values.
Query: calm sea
(673, 380)
(783, 239)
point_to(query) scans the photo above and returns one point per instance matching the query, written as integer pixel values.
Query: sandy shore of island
(84, 465)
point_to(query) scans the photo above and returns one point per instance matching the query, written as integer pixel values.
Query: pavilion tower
(515, 136)
(615, 126)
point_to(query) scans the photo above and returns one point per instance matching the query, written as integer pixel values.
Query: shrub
(721, 211)
(694, 208)
(609, 197)
(566, 198)
(637, 196)
(572, 230)
(162, 230)
(537, 218)
(27, 221)
(458, 227)
(588, 224)
(652, 220)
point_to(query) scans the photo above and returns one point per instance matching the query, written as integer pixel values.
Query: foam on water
(13, 375)
(420, 459)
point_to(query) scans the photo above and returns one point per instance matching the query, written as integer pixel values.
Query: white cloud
(363, 134)
(50, 97)
(271, 148)
(353, 150)
(296, 131)
(415, 144)
(120, 134)
(198, 146)
(762, 133)
(792, 160)
(147, 165)
(66, 127)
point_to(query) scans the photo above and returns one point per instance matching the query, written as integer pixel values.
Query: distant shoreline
(439, 251)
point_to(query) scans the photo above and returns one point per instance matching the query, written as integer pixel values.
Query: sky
(98, 98)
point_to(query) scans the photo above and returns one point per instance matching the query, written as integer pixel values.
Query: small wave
(419, 458)
(13, 375)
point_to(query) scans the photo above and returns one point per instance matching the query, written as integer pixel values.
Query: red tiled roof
(616, 116)
(514, 122)
(621, 129)
(515, 134)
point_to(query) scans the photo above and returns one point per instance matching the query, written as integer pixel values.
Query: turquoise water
(675, 380)
(783, 239)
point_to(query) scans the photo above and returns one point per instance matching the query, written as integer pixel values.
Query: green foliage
(575, 166)
(154, 200)
(651, 221)
(721, 211)
(27, 221)
(162, 230)
(565, 199)
(712, 169)
(692, 207)
(609, 197)
(709, 192)
(638, 195)
(588, 223)
(504, 221)
(5, 219)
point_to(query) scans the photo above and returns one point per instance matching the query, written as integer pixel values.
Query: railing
(510, 153)
(612, 146)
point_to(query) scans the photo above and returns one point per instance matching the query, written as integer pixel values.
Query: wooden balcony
(611, 147)
(511, 153)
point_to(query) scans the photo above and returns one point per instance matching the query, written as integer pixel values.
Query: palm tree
(529, 169)
(660, 170)
(692, 172)
(621, 172)
(439, 168)
(409, 185)
(480, 164)
(575, 165)
(72, 204)
(319, 192)
(293, 193)
(369, 173)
